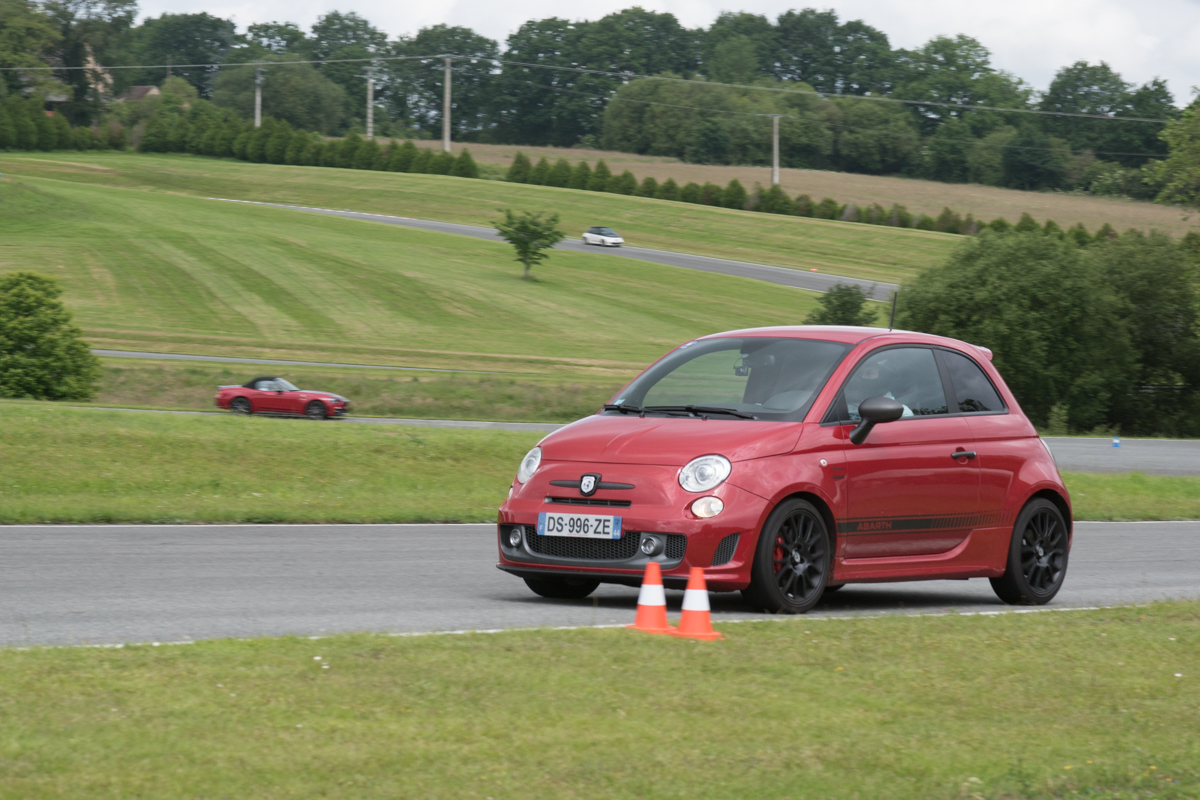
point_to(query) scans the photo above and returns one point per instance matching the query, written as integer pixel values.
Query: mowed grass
(70, 465)
(153, 271)
(75, 465)
(378, 393)
(1099, 704)
(841, 248)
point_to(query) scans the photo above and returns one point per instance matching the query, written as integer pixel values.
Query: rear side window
(907, 374)
(973, 391)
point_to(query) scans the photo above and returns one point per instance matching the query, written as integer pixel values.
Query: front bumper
(656, 507)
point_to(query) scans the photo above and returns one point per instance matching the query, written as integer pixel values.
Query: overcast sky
(1029, 38)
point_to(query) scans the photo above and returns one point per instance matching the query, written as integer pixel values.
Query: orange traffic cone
(695, 622)
(652, 603)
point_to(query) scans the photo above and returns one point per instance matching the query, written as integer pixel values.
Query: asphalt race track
(796, 278)
(110, 584)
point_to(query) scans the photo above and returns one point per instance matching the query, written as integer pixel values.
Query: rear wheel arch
(1058, 500)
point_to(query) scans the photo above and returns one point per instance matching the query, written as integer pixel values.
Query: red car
(788, 462)
(277, 396)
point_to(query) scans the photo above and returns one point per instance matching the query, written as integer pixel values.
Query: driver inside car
(873, 380)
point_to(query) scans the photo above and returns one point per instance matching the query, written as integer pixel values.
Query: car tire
(562, 588)
(792, 561)
(1037, 556)
(240, 405)
(316, 410)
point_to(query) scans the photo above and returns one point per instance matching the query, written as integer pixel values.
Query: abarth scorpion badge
(588, 484)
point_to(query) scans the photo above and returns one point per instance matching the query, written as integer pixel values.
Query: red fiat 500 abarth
(790, 461)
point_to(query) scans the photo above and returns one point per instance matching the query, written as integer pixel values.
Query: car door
(268, 397)
(908, 495)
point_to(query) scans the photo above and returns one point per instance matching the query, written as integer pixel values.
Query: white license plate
(584, 526)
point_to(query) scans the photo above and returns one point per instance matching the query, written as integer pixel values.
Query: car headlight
(529, 464)
(704, 473)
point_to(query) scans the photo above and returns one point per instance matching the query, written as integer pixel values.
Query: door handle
(963, 454)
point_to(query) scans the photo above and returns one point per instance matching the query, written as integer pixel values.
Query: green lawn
(840, 248)
(1086, 704)
(148, 270)
(93, 465)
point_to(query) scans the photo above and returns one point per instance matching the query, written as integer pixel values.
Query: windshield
(607, 232)
(774, 379)
(285, 386)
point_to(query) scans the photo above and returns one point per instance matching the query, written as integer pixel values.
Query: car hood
(667, 441)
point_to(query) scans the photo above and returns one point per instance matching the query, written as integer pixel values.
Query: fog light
(514, 537)
(707, 507)
(651, 545)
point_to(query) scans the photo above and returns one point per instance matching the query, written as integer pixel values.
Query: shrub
(712, 194)
(465, 166)
(774, 201)
(441, 164)
(899, 217)
(400, 159)
(559, 175)
(539, 173)
(42, 354)
(826, 209)
(734, 195)
(948, 222)
(691, 193)
(924, 223)
(649, 188)
(600, 175)
(842, 305)
(1027, 224)
(518, 171)
(625, 183)
(581, 176)
(297, 149)
(420, 162)
(805, 207)
(1000, 225)
(668, 190)
(1079, 235)
(849, 213)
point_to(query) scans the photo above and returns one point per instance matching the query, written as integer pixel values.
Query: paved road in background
(107, 584)
(284, 363)
(1153, 456)
(798, 279)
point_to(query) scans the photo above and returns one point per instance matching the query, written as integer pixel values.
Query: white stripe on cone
(652, 594)
(695, 600)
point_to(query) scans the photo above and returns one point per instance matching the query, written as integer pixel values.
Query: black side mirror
(872, 411)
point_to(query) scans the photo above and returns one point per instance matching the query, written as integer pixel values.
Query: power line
(625, 76)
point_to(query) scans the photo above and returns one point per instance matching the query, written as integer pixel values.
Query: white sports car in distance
(605, 237)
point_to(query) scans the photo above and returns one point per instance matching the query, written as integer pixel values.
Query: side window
(973, 391)
(266, 386)
(907, 374)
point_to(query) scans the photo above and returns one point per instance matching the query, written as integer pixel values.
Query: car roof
(250, 384)
(849, 334)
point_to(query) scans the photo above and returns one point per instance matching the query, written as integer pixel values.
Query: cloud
(1032, 39)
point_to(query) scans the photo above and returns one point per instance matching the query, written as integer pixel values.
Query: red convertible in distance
(788, 462)
(270, 395)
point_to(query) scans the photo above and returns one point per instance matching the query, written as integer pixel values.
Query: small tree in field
(42, 355)
(531, 235)
(842, 305)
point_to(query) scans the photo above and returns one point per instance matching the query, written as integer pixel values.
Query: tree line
(565, 100)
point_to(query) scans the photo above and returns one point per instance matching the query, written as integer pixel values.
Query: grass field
(840, 248)
(93, 466)
(378, 393)
(1098, 704)
(154, 271)
(928, 197)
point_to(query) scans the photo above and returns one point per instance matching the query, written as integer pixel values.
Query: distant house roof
(138, 92)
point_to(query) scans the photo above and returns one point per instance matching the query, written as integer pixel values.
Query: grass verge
(840, 248)
(96, 466)
(378, 393)
(1097, 704)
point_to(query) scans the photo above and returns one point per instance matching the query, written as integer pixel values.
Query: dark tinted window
(973, 390)
(907, 374)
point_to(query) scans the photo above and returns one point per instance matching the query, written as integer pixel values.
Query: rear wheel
(792, 561)
(240, 405)
(315, 410)
(562, 588)
(1037, 556)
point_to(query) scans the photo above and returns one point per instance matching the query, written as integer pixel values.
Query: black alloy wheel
(793, 560)
(315, 410)
(1037, 556)
(240, 405)
(562, 588)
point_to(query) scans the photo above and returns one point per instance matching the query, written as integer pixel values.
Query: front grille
(588, 501)
(726, 549)
(581, 549)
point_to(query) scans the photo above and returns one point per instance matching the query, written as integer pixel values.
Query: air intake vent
(588, 501)
(726, 549)
(579, 549)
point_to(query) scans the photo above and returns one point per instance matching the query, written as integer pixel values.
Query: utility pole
(774, 149)
(370, 103)
(446, 108)
(259, 77)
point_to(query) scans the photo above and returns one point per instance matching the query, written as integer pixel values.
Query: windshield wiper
(699, 410)
(624, 409)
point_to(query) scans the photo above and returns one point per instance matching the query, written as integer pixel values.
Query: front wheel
(562, 588)
(315, 410)
(793, 560)
(1037, 556)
